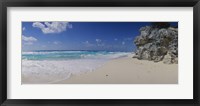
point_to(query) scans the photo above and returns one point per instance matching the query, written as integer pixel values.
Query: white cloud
(123, 43)
(56, 42)
(129, 38)
(98, 40)
(115, 39)
(100, 44)
(88, 44)
(28, 39)
(52, 27)
(23, 28)
(28, 43)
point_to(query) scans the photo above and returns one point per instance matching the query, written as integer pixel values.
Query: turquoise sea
(70, 55)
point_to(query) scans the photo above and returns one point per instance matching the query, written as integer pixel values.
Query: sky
(108, 36)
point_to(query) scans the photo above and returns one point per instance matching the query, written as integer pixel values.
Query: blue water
(71, 55)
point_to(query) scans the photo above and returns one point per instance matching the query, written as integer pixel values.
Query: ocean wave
(105, 56)
(68, 55)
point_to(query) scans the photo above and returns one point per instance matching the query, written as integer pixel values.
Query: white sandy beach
(128, 71)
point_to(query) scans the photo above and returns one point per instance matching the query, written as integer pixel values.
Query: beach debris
(157, 43)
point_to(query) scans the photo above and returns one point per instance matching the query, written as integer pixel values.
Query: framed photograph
(75, 52)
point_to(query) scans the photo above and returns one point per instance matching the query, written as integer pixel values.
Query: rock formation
(157, 43)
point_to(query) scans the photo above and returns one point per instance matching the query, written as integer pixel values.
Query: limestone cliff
(157, 43)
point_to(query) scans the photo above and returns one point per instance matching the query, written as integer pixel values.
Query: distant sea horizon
(79, 50)
(71, 54)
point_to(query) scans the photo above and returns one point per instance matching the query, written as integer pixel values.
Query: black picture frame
(99, 3)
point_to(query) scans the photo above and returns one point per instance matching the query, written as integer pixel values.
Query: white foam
(52, 71)
(106, 56)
